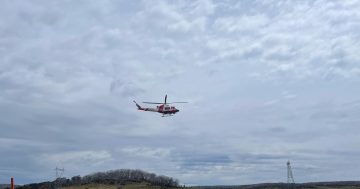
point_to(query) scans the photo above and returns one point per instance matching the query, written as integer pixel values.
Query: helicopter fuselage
(163, 109)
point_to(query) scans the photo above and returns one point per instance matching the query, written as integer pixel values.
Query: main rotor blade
(153, 102)
(176, 102)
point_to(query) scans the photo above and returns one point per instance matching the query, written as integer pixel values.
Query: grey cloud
(200, 161)
(70, 70)
(125, 89)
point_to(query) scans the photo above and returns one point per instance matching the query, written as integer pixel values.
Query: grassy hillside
(117, 179)
(311, 185)
(104, 186)
(145, 185)
(255, 186)
(138, 179)
(148, 186)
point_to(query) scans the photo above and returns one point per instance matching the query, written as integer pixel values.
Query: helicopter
(164, 107)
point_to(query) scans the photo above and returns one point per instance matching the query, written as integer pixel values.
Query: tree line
(118, 177)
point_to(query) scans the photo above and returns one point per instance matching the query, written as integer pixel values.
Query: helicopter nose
(177, 110)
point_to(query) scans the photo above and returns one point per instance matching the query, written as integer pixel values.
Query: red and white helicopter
(164, 108)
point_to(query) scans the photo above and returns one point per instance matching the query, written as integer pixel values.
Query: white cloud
(302, 39)
(75, 158)
(241, 24)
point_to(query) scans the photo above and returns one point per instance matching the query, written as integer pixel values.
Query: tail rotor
(137, 105)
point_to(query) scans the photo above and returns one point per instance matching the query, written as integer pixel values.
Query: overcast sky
(267, 81)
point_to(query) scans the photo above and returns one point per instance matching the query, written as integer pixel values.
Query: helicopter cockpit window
(167, 108)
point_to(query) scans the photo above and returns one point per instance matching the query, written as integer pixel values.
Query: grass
(104, 186)
(145, 185)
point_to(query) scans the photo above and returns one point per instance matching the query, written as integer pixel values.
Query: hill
(3, 186)
(138, 179)
(310, 185)
(122, 178)
(142, 185)
(146, 185)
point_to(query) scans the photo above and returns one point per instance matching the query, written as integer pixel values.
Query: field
(147, 186)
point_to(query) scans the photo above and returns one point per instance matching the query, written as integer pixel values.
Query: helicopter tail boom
(145, 109)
